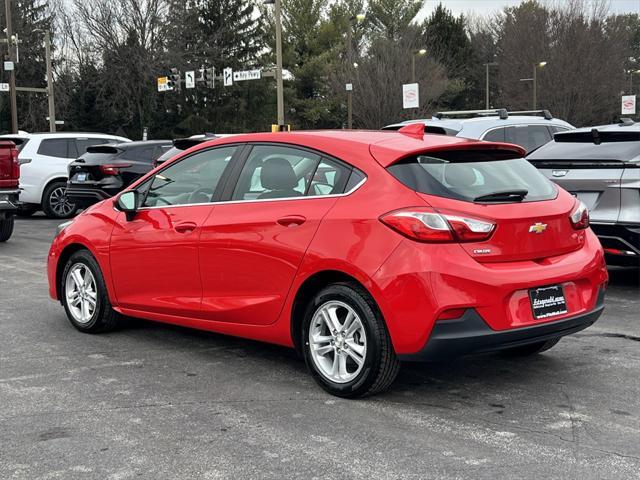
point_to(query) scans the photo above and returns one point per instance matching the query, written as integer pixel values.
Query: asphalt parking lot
(156, 401)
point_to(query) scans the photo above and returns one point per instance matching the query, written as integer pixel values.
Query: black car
(105, 170)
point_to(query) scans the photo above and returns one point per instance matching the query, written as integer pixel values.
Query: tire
(6, 228)
(366, 339)
(531, 349)
(26, 212)
(102, 318)
(54, 201)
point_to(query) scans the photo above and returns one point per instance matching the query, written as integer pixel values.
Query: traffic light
(209, 77)
(174, 79)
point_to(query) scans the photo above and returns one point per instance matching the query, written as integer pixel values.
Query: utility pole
(12, 73)
(535, 86)
(279, 86)
(487, 65)
(50, 92)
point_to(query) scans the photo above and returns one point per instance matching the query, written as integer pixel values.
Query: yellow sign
(163, 84)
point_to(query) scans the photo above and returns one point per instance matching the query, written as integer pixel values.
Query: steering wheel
(193, 198)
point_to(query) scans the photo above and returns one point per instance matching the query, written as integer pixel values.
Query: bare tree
(377, 82)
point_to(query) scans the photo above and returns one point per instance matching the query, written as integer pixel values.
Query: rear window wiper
(503, 196)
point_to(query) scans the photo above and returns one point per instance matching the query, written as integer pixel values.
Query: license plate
(547, 301)
(81, 177)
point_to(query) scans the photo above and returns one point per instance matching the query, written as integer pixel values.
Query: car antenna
(415, 130)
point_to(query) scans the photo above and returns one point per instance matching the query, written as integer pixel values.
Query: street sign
(4, 87)
(410, 95)
(628, 105)
(247, 75)
(349, 87)
(227, 76)
(163, 84)
(190, 79)
(8, 66)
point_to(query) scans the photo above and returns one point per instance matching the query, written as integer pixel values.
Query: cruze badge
(559, 173)
(537, 227)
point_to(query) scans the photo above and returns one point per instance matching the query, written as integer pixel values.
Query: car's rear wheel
(346, 344)
(532, 348)
(84, 295)
(55, 203)
(6, 228)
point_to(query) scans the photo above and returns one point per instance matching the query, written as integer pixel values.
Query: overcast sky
(481, 7)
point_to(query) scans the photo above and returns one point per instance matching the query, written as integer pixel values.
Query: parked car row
(44, 160)
(599, 165)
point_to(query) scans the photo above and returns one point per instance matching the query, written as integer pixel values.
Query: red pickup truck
(9, 177)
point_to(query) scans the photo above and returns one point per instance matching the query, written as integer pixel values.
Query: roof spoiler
(107, 148)
(502, 113)
(185, 143)
(597, 137)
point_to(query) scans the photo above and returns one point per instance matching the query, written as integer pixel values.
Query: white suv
(44, 158)
(530, 129)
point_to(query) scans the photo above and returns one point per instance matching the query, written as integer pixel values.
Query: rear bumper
(8, 201)
(470, 334)
(86, 196)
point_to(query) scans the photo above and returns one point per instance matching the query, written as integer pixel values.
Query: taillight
(113, 169)
(15, 163)
(438, 226)
(580, 216)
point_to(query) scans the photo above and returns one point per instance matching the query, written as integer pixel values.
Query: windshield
(469, 176)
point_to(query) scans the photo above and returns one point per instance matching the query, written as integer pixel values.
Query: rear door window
(57, 147)
(529, 137)
(495, 135)
(467, 175)
(274, 171)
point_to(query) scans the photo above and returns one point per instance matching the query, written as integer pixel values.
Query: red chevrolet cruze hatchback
(358, 248)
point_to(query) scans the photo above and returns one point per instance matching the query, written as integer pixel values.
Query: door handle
(292, 220)
(186, 227)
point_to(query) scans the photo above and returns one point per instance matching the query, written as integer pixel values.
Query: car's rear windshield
(472, 175)
(587, 151)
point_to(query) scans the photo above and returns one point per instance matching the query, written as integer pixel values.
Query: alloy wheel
(81, 293)
(338, 341)
(59, 202)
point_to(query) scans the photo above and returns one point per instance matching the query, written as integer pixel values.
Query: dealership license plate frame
(554, 302)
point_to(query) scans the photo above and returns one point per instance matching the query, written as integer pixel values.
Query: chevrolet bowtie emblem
(537, 227)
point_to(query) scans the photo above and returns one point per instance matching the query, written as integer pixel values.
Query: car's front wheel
(346, 344)
(55, 203)
(84, 295)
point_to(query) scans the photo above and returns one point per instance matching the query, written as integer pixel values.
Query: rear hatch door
(531, 214)
(590, 171)
(86, 169)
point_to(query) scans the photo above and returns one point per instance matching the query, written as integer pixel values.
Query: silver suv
(601, 166)
(530, 129)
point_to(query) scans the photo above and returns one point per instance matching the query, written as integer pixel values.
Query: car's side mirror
(127, 202)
